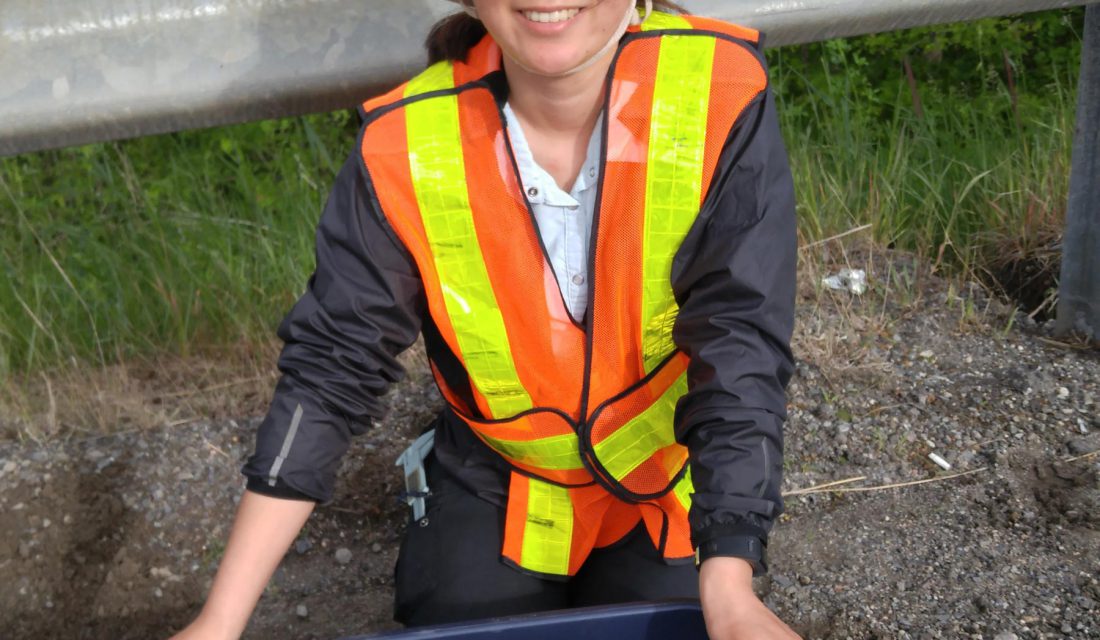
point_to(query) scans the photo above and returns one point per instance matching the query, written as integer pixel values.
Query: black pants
(449, 569)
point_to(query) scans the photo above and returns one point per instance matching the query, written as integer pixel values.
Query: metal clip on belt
(416, 480)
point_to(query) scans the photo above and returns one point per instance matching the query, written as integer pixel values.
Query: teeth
(552, 16)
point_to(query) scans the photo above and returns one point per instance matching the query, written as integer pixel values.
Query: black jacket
(734, 277)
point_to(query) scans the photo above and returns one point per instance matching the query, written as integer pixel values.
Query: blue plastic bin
(675, 620)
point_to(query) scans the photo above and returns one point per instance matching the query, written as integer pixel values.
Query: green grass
(967, 176)
(173, 244)
(168, 243)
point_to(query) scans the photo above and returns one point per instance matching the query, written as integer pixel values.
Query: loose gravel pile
(118, 536)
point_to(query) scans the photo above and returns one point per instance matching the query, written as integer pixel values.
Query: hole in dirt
(1030, 280)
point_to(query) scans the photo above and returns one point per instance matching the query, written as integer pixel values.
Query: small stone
(1006, 635)
(343, 555)
(804, 580)
(1079, 447)
(376, 547)
(301, 611)
(901, 585)
(9, 466)
(1063, 392)
(302, 545)
(24, 549)
(927, 354)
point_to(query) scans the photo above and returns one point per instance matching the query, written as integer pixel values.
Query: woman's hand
(731, 609)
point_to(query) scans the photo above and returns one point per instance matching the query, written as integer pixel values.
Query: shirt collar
(540, 185)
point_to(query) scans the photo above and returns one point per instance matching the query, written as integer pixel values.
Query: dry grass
(84, 400)
(846, 338)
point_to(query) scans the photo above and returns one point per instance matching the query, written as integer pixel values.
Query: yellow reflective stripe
(438, 171)
(645, 434)
(684, 489)
(674, 184)
(556, 453)
(548, 533)
(659, 20)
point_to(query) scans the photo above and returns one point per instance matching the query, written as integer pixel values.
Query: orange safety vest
(584, 415)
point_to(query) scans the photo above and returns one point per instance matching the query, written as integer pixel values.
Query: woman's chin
(552, 65)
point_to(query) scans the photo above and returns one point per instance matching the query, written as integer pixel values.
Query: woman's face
(550, 37)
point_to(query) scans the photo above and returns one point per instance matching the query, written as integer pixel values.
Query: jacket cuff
(732, 540)
(716, 530)
(279, 490)
(748, 548)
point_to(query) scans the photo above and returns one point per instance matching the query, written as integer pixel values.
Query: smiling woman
(584, 207)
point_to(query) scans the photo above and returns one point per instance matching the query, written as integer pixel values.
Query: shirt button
(578, 279)
(533, 192)
(591, 172)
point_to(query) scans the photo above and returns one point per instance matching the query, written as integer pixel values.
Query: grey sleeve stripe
(767, 468)
(287, 442)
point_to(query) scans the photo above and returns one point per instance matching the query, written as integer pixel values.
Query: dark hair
(452, 37)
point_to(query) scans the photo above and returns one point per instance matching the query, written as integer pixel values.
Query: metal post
(1079, 288)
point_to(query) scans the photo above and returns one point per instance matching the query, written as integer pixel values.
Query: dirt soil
(118, 536)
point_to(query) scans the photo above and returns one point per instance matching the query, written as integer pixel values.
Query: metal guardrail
(78, 71)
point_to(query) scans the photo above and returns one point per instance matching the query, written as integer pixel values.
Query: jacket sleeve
(734, 277)
(361, 308)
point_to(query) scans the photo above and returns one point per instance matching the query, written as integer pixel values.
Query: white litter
(851, 280)
(943, 464)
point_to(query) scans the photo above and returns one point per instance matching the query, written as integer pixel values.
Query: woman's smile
(555, 37)
(549, 20)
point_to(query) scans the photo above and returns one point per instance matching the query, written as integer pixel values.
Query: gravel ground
(118, 536)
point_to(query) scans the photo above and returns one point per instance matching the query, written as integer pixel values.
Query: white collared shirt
(564, 219)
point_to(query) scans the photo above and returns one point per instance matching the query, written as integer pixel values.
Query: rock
(301, 611)
(1005, 635)
(1063, 393)
(302, 545)
(343, 555)
(376, 547)
(1079, 446)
